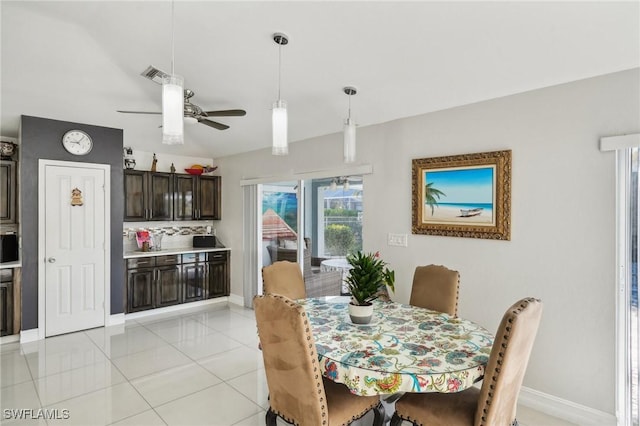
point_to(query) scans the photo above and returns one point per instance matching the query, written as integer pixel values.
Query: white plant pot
(361, 314)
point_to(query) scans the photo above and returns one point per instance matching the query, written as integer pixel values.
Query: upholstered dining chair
(297, 391)
(284, 278)
(435, 287)
(494, 404)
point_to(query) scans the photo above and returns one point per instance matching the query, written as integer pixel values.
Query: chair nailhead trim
(503, 344)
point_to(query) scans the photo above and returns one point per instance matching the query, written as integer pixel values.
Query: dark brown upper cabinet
(8, 192)
(167, 196)
(197, 197)
(148, 195)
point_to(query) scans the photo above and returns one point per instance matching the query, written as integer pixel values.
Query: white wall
(562, 246)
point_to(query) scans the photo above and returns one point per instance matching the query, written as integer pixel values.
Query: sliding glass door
(631, 307)
(321, 216)
(628, 356)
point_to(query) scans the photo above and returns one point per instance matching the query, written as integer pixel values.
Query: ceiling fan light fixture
(279, 119)
(349, 130)
(172, 110)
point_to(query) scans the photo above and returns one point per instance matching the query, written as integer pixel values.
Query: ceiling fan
(192, 112)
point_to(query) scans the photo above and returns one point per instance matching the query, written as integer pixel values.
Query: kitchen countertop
(165, 252)
(11, 265)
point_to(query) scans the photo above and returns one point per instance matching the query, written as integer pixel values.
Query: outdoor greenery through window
(342, 210)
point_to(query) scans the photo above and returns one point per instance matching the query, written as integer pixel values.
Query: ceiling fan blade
(213, 124)
(138, 112)
(227, 113)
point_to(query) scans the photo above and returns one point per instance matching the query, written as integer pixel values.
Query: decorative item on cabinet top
(7, 148)
(129, 161)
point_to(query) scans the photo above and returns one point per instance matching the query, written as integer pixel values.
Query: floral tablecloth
(403, 349)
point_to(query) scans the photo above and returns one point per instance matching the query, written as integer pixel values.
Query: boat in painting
(470, 212)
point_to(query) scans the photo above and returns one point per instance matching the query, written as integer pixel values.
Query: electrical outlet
(399, 240)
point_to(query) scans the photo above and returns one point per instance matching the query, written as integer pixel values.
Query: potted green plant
(367, 277)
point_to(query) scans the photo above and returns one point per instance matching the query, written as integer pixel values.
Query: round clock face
(77, 142)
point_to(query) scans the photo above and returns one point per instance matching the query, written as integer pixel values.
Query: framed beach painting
(463, 195)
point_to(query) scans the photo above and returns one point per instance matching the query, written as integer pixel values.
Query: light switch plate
(399, 240)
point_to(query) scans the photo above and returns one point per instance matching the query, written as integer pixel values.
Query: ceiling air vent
(154, 74)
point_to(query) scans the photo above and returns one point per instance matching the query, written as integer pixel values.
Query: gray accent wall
(41, 138)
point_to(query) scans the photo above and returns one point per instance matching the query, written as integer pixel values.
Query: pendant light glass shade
(349, 141)
(280, 125)
(349, 130)
(172, 110)
(279, 120)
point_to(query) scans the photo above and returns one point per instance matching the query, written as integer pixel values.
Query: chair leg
(397, 421)
(270, 418)
(378, 415)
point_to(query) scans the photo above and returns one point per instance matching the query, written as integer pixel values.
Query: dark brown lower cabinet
(153, 282)
(193, 277)
(169, 286)
(6, 302)
(218, 274)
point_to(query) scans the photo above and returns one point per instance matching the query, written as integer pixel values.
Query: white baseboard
(174, 308)
(12, 338)
(564, 409)
(31, 335)
(236, 300)
(115, 319)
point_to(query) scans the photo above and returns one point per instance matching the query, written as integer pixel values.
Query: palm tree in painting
(432, 195)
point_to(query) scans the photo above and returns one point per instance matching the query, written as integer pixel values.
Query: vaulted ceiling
(81, 60)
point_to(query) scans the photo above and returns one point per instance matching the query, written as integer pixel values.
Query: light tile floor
(197, 367)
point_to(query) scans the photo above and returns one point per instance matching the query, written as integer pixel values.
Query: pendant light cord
(279, 68)
(172, 39)
(349, 107)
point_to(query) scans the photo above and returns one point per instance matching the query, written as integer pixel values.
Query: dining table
(403, 349)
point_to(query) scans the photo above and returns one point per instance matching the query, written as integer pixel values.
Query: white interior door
(74, 248)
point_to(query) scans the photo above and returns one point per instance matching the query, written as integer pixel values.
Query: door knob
(51, 260)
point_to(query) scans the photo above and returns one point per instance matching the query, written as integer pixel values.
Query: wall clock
(77, 142)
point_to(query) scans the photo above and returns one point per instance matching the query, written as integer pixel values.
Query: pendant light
(279, 112)
(172, 100)
(349, 130)
(334, 184)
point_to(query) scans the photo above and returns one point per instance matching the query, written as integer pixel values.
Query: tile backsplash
(175, 234)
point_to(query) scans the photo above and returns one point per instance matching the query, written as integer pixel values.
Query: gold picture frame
(463, 195)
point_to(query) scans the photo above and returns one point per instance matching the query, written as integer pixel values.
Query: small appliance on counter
(8, 247)
(207, 241)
